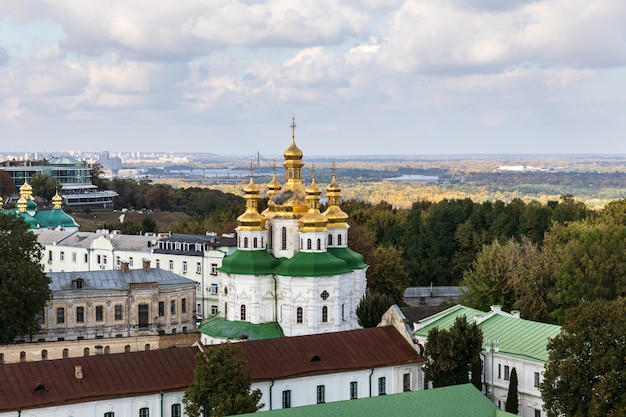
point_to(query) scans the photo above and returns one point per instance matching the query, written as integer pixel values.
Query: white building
(196, 257)
(510, 342)
(292, 266)
(289, 372)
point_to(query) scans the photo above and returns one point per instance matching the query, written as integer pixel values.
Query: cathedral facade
(293, 266)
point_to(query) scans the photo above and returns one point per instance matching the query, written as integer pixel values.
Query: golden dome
(251, 219)
(337, 218)
(1, 203)
(293, 152)
(21, 205)
(57, 200)
(313, 220)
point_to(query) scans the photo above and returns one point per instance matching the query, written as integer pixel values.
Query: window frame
(176, 410)
(354, 390)
(286, 397)
(321, 394)
(382, 385)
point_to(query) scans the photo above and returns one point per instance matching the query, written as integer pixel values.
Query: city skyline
(392, 77)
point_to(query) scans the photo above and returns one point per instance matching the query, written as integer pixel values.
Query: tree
(44, 186)
(388, 274)
(24, 288)
(7, 185)
(512, 402)
(586, 371)
(371, 309)
(450, 353)
(221, 384)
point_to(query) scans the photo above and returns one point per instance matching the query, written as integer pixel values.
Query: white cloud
(11, 110)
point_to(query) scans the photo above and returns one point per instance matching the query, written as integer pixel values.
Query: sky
(367, 77)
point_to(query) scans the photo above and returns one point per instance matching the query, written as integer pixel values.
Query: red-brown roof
(145, 372)
(104, 376)
(328, 352)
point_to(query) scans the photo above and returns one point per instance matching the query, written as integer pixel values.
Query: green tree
(371, 309)
(148, 225)
(7, 185)
(24, 288)
(388, 275)
(450, 353)
(586, 372)
(512, 401)
(44, 186)
(221, 384)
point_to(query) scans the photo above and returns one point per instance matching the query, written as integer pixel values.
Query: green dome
(353, 259)
(30, 220)
(312, 264)
(257, 262)
(57, 218)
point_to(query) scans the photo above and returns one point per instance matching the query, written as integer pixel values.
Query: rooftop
(525, 339)
(453, 401)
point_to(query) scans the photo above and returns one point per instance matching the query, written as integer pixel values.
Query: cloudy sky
(362, 77)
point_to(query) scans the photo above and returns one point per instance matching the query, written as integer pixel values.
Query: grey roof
(114, 279)
(432, 292)
(76, 239)
(212, 240)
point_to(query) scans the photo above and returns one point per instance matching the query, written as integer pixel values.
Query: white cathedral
(292, 266)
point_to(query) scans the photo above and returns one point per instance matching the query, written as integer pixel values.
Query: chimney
(496, 308)
(78, 372)
(146, 265)
(124, 267)
(516, 314)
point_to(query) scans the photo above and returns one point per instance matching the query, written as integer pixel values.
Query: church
(293, 272)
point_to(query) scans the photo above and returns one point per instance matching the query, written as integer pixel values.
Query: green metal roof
(249, 262)
(222, 328)
(517, 337)
(353, 259)
(312, 264)
(303, 264)
(446, 318)
(55, 218)
(520, 338)
(454, 401)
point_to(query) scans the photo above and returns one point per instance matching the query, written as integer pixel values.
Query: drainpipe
(371, 373)
(271, 394)
(161, 415)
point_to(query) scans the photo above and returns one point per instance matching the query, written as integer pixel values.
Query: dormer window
(78, 283)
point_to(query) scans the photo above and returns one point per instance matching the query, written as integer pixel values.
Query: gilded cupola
(313, 220)
(251, 219)
(337, 218)
(290, 201)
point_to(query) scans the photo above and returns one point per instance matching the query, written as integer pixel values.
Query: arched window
(245, 242)
(299, 315)
(44, 354)
(86, 352)
(319, 244)
(256, 243)
(176, 411)
(243, 312)
(66, 353)
(283, 238)
(127, 348)
(308, 244)
(330, 240)
(147, 346)
(107, 350)
(339, 240)
(225, 309)
(324, 314)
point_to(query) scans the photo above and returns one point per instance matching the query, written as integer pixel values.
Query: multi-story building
(292, 266)
(73, 175)
(510, 342)
(290, 372)
(117, 303)
(196, 257)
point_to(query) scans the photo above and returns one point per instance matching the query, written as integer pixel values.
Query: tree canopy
(371, 309)
(221, 384)
(586, 373)
(44, 186)
(450, 353)
(24, 288)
